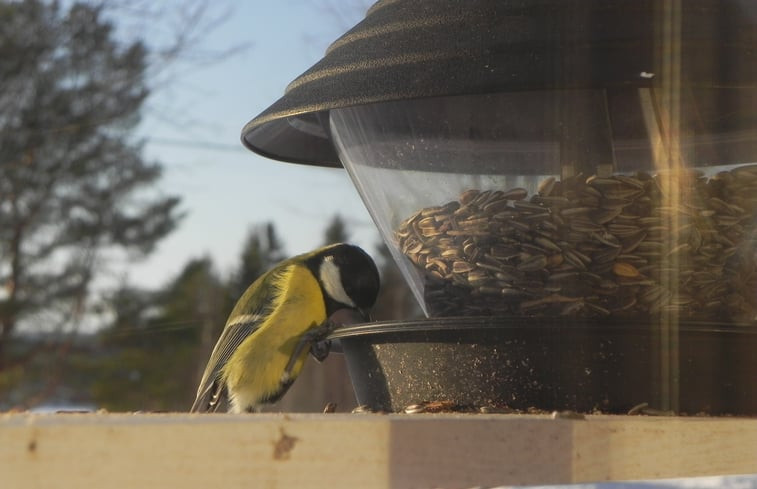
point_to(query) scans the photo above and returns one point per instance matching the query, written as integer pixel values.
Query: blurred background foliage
(75, 191)
(150, 353)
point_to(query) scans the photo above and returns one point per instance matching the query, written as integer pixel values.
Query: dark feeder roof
(406, 49)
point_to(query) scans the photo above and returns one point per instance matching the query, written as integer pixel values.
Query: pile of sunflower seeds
(622, 246)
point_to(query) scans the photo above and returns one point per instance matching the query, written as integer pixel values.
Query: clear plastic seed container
(565, 203)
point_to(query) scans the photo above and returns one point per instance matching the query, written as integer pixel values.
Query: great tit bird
(281, 317)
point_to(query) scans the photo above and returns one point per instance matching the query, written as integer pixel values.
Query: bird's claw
(319, 345)
(316, 340)
(320, 350)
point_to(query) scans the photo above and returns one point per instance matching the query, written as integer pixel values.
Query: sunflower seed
(462, 267)
(516, 194)
(546, 186)
(624, 269)
(532, 263)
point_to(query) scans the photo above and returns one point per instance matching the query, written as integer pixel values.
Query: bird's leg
(319, 348)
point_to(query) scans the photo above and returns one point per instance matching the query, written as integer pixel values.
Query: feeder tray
(523, 364)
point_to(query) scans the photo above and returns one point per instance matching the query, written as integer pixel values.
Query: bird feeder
(569, 188)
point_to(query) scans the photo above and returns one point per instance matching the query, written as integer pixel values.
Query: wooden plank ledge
(363, 450)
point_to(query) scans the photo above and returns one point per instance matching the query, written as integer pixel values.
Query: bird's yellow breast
(298, 307)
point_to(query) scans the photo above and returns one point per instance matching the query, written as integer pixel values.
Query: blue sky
(225, 188)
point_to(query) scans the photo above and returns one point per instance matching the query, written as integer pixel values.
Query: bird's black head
(348, 276)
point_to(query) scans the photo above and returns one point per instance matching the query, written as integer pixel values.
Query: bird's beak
(366, 314)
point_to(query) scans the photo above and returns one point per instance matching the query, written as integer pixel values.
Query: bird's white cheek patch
(332, 283)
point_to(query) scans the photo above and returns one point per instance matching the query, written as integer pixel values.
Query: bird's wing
(243, 321)
(212, 389)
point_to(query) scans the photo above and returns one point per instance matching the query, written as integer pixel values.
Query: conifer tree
(75, 187)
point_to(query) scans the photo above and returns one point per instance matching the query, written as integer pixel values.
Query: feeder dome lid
(408, 49)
